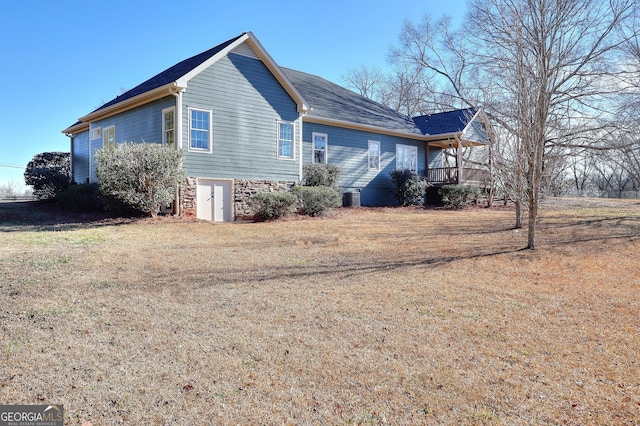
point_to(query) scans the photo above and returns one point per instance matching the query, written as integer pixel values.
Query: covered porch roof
(461, 127)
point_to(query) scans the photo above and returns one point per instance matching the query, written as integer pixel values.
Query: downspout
(178, 136)
(72, 147)
(300, 156)
(459, 160)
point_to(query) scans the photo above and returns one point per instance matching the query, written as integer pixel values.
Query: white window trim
(313, 147)
(96, 133)
(164, 130)
(412, 147)
(210, 138)
(293, 141)
(369, 155)
(105, 132)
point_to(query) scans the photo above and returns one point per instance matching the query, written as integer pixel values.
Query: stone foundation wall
(188, 197)
(243, 189)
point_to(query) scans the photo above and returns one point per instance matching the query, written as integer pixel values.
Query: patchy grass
(371, 316)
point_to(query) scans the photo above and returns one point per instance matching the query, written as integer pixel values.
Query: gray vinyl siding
(435, 157)
(475, 131)
(142, 124)
(94, 145)
(245, 101)
(80, 157)
(348, 149)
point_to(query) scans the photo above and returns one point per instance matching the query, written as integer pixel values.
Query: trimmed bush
(410, 188)
(272, 205)
(142, 175)
(321, 175)
(317, 200)
(457, 196)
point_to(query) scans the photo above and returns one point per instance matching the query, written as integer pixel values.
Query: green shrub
(410, 188)
(321, 175)
(48, 173)
(457, 196)
(144, 176)
(317, 200)
(272, 205)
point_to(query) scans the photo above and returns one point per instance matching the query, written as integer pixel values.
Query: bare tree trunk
(518, 204)
(533, 220)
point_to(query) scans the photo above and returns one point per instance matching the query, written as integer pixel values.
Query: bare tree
(443, 60)
(545, 71)
(366, 81)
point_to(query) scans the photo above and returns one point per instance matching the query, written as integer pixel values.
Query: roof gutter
(442, 136)
(141, 99)
(363, 127)
(76, 128)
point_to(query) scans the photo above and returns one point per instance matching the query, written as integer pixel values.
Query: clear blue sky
(62, 59)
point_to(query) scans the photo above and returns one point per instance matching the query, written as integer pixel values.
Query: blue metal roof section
(445, 122)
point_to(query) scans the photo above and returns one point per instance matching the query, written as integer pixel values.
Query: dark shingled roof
(327, 100)
(170, 74)
(444, 122)
(331, 101)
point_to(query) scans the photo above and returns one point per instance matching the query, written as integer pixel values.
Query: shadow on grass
(29, 215)
(610, 232)
(345, 270)
(340, 272)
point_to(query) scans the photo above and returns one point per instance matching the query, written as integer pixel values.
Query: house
(246, 125)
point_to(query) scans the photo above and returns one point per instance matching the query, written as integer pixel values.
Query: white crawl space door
(214, 200)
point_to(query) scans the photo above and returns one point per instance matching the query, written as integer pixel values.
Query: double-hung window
(168, 126)
(374, 155)
(320, 142)
(285, 140)
(199, 130)
(407, 157)
(109, 137)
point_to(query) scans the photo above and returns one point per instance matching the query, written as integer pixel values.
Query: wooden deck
(449, 175)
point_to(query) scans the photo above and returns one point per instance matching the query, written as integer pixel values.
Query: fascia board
(482, 115)
(471, 121)
(131, 103)
(446, 137)
(184, 80)
(275, 69)
(363, 127)
(76, 128)
(443, 136)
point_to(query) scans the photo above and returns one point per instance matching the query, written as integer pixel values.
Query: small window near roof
(374, 155)
(285, 140)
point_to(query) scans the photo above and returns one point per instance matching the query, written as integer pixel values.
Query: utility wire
(13, 166)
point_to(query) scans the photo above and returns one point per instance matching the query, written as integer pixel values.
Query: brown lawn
(370, 316)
